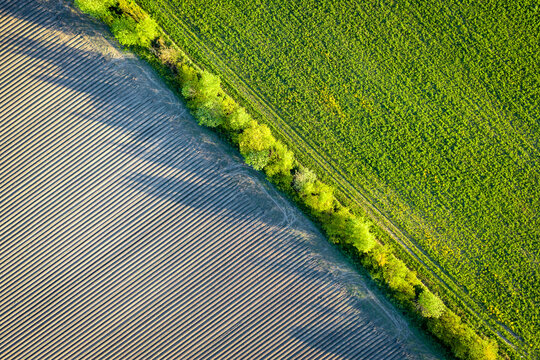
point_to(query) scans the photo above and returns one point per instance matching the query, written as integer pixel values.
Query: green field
(429, 110)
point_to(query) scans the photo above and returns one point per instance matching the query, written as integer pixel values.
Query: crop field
(129, 232)
(428, 110)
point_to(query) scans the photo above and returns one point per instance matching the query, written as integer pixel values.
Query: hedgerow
(212, 107)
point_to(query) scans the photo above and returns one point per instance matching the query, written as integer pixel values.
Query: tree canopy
(430, 305)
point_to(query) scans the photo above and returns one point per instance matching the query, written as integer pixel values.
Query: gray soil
(129, 232)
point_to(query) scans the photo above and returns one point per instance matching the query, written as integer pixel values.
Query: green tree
(483, 349)
(463, 341)
(187, 75)
(257, 159)
(336, 223)
(342, 226)
(201, 88)
(96, 8)
(209, 86)
(447, 327)
(130, 33)
(147, 30)
(379, 256)
(430, 305)
(302, 177)
(358, 233)
(318, 196)
(239, 119)
(281, 160)
(397, 275)
(209, 114)
(123, 28)
(256, 137)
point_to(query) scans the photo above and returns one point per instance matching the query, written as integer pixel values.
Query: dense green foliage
(130, 32)
(460, 338)
(430, 305)
(429, 108)
(212, 107)
(344, 227)
(97, 8)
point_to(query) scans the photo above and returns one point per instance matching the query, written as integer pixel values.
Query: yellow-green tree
(430, 305)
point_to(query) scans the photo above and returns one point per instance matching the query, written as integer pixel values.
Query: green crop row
(213, 107)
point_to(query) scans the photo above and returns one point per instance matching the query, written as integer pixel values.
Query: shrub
(430, 305)
(358, 233)
(209, 114)
(318, 196)
(239, 119)
(257, 159)
(302, 177)
(131, 9)
(256, 137)
(168, 55)
(130, 33)
(281, 160)
(96, 8)
(189, 84)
